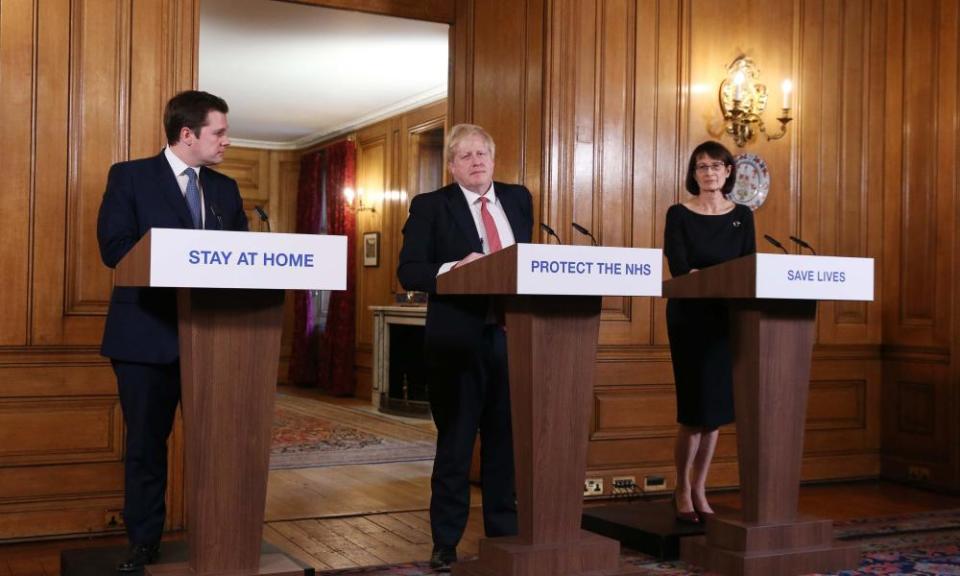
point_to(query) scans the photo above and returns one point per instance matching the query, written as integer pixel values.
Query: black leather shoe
(443, 557)
(139, 556)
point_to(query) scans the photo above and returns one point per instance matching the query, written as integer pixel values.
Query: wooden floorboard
(348, 490)
(361, 515)
(392, 538)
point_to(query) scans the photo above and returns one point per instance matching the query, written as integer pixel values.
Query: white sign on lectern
(183, 258)
(588, 270)
(814, 277)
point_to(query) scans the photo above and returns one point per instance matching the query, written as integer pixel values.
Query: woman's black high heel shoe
(685, 517)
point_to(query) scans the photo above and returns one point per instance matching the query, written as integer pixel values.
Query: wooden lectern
(551, 346)
(772, 340)
(229, 353)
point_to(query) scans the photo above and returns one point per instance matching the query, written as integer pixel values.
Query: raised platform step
(648, 527)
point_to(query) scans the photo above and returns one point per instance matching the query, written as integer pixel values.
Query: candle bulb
(738, 86)
(787, 87)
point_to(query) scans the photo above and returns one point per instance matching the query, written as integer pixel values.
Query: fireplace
(399, 376)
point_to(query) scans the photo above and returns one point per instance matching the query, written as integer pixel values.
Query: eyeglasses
(714, 166)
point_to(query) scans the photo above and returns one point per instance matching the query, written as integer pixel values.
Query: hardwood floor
(348, 490)
(363, 540)
(373, 539)
(359, 515)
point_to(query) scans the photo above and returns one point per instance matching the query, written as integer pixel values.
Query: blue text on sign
(579, 267)
(837, 276)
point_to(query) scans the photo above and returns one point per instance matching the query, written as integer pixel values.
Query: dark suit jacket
(440, 229)
(143, 194)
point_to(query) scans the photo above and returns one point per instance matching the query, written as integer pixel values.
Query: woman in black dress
(704, 231)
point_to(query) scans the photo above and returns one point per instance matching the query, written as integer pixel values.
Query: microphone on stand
(582, 230)
(774, 241)
(263, 216)
(803, 244)
(550, 232)
(216, 212)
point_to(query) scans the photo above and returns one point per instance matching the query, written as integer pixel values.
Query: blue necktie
(193, 198)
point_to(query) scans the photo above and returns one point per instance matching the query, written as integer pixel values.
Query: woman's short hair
(461, 131)
(715, 151)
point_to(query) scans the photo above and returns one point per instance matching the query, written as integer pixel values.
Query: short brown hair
(189, 109)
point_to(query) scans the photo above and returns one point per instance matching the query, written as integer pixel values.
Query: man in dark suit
(465, 345)
(174, 189)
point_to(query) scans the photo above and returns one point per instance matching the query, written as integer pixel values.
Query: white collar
(472, 196)
(176, 164)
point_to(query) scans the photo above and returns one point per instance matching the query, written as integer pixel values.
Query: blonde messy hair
(461, 131)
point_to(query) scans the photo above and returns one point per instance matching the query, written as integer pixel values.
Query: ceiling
(294, 74)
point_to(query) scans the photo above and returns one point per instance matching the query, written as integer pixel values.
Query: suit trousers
(149, 394)
(467, 394)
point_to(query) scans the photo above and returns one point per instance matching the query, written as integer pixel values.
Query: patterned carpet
(308, 433)
(926, 544)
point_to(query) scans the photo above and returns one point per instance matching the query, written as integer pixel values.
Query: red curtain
(321, 356)
(303, 357)
(336, 374)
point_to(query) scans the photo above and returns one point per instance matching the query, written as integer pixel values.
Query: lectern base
(735, 548)
(591, 555)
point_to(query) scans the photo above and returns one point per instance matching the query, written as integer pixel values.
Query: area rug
(926, 544)
(308, 433)
(935, 520)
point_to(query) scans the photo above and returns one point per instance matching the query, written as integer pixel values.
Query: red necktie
(489, 226)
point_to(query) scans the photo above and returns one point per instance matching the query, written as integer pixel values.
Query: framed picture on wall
(371, 249)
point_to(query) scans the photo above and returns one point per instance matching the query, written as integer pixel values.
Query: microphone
(582, 230)
(216, 212)
(263, 216)
(773, 241)
(550, 232)
(803, 244)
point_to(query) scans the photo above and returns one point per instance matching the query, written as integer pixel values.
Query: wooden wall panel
(51, 162)
(376, 175)
(841, 150)
(660, 53)
(631, 88)
(60, 432)
(99, 132)
(594, 105)
(17, 48)
(251, 168)
(83, 86)
(498, 84)
(920, 280)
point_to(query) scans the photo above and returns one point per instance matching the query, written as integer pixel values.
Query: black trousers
(149, 394)
(470, 393)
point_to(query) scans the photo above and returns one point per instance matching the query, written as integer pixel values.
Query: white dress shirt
(499, 218)
(179, 168)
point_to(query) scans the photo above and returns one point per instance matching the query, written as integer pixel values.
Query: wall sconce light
(350, 195)
(369, 200)
(743, 100)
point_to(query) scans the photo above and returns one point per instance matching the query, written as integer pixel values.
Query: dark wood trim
(429, 10)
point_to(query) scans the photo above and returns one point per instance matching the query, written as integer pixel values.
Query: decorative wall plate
(753, 181)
